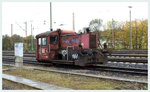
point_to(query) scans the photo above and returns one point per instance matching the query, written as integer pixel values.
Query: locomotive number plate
(75, 56)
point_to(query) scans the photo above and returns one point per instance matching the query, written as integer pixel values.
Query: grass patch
(6, 67)
(9, 85)
(74, 82)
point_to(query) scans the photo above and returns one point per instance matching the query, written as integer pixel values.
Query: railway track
(121, 70)
(112, 55)
(136, 71)
(130, 56)
(117, 58)
(111, 52)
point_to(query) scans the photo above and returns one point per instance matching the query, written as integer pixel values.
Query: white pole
(73, 21)
(51, 29)
(130, 28)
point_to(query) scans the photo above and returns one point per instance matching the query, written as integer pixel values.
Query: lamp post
(130, 27)
(11, 35)
(26, 35)
(51, 29)
(73, 22)
(113, 39)
(31, 36)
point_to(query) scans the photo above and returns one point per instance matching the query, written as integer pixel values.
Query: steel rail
(129, 52)
(128, 55)
(130, 60)
(120, 70)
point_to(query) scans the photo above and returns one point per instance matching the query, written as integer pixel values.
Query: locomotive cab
(42, 48)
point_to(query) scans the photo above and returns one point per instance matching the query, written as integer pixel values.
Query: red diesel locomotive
(68, 47)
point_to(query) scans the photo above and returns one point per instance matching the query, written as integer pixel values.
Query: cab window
(53, 39)
(44, 41)
(39, 41)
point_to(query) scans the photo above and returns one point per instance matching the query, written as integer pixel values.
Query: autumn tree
(122, 37)
(29, 42)
(6, 42)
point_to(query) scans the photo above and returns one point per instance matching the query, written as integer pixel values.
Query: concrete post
(18, 55)
(18, 61)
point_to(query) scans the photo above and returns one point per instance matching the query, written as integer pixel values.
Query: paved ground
(34, 84)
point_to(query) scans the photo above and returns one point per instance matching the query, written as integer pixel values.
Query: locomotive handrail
(67, 50)
(49, 48)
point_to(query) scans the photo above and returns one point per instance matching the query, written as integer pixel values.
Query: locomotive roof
(45, 33)
(48, 32)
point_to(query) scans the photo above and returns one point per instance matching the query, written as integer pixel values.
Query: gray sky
(17, 13)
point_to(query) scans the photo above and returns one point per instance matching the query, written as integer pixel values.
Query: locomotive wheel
(81, 60)
(39, 61)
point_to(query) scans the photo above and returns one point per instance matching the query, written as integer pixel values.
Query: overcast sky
(38, 12)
